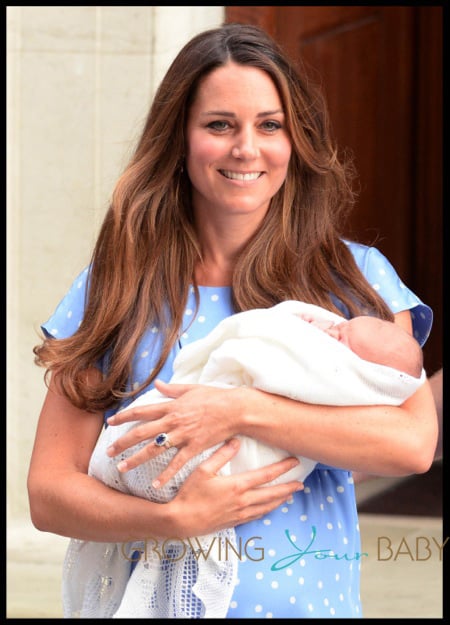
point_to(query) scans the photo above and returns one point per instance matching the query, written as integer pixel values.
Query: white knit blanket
(270, 349)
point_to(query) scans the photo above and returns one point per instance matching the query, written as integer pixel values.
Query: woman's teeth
(239, 176)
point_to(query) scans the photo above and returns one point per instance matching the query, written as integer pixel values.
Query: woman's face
(238, 147)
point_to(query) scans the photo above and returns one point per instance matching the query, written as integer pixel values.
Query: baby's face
(365, 336)
(381, 342)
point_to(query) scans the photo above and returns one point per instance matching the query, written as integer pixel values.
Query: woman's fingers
(221, 456)
(228, 500)
(173, 390)
(142, 432)
(143, 412)
(148, 452)
(268, 473)
(253, 478)
(155, 408)
(211, 466)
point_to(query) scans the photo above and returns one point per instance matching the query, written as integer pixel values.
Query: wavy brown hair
(147, 248)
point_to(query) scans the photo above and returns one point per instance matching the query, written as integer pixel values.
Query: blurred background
(79, 84)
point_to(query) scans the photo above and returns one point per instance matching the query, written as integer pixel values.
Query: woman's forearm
(63, 498)
(386, 440)
(79, 506)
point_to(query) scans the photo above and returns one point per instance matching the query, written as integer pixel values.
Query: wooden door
(380, 68)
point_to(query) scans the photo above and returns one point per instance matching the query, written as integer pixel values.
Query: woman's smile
(241, 176)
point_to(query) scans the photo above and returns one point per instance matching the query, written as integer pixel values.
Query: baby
(294, 349)
(376, 340)
(298, 350)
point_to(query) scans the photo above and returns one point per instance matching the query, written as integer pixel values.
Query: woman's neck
(213, 274)
(221, 242)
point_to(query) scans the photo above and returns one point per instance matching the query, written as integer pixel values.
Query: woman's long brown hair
(143, 262)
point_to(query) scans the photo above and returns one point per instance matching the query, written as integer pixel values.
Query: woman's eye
(271, 125)
(219, 125)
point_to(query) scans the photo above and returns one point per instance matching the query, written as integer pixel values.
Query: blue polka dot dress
(303, 559)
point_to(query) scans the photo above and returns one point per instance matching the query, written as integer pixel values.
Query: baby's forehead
(368, 328)
(368, 322)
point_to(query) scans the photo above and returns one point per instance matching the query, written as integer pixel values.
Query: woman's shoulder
(383, 277)
(68, 314)
(366, 255)
(375, 266)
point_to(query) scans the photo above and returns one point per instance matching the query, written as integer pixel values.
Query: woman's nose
(246, 147)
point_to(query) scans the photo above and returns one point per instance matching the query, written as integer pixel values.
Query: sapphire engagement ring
(162, 440)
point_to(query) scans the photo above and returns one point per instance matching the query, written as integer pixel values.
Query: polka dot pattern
(303, 559)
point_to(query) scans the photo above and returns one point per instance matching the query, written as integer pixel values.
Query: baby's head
(380, 341)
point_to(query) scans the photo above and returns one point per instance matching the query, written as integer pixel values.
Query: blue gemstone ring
(162, 440)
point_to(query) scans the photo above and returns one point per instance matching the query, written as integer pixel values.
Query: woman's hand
(195, 418)
(227, 501)
(66, 500)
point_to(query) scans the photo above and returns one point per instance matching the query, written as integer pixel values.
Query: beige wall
(79, 83)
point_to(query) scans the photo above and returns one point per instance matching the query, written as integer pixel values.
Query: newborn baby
(294, 349)
(298, 350)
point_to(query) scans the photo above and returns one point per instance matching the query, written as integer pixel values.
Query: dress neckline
(208, 286)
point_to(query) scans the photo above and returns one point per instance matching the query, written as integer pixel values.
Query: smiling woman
(232, 201)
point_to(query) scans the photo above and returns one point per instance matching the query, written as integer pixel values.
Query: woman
(232, 201)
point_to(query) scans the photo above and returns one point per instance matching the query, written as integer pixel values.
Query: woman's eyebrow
(219, 113)
(230, 114)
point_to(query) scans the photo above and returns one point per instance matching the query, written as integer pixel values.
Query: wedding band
(162, 440)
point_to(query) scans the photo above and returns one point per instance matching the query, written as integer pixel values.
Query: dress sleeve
(68, 315)
(383, 277)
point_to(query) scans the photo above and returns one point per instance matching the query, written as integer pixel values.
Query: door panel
(357, 68)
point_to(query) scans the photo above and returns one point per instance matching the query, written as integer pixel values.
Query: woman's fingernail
(300, 486)
(156, 483)
(122, 466)
(110, 450)
(110, 420)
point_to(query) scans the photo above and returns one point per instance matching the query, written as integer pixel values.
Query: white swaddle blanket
(269, 349)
